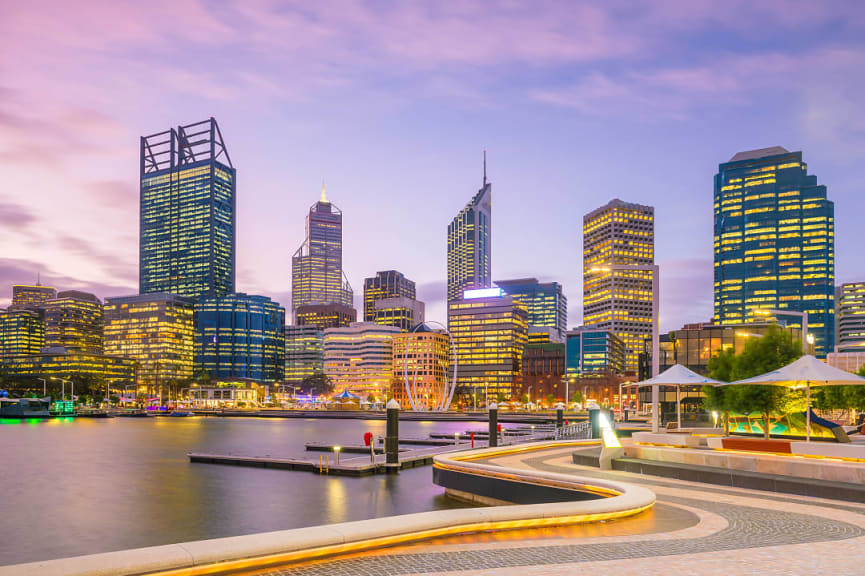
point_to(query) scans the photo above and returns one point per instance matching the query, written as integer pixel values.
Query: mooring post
(560, 415)
(391, 440)
(494, 424)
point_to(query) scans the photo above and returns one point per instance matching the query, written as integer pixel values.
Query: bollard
(391, 440)
(494, 425)
(595, 422)
(473, 439)
(560, 416)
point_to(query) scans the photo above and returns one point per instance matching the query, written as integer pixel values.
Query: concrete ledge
(668, 439)
(224, 555)
(829, 450)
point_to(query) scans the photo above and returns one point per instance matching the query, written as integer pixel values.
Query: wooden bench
(757, 445)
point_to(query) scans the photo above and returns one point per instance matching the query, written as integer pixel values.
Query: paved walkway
(695, 529)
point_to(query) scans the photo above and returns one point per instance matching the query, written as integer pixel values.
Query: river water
(72, 487)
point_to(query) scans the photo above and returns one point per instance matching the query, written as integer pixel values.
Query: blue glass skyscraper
(774, 243)
(187, 228)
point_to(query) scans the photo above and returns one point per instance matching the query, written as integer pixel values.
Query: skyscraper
(547, 305)
(850, 310)
(316, 268)
(304, 353)
(469, 244)
(619, 275)
(22, 331)
(73, 320)
(403, 312)
(187, 227)
(31, 297)
(386, 284)
(324, 316)
(774, 243)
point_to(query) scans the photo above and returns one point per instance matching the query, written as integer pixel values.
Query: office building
(547, 305)
(403, 312)
(543, 373)
(73, 320)
(490, 330)
(156, 330)
(470, 244)
(423, 358)
(304, 353)
(324, 316)
(386, 284)
(317, 276)
(240, 336)
(592, 353)
(850, 317)
(22, 331)
(543, 335)
(60, 362)
(188, 184)
(359, 358)
(26, 297)
(620, 278)
(774, 243)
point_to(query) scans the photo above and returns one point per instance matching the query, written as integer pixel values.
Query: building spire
(323, 197)
(485, 168)
(38, 278)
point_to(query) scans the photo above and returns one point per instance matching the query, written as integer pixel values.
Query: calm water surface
(72, 487)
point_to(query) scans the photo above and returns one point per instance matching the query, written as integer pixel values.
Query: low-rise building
(22, 331)
(421, 361)
(73, 320)
(359, 358)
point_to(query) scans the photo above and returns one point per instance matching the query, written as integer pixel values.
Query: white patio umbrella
(807, 371)
(677, 376)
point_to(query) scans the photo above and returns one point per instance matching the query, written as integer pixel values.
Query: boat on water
(24, 408)
(180, 413)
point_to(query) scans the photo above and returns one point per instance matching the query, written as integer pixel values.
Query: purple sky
(392, 103)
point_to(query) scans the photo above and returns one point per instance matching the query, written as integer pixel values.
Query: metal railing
(577, 431)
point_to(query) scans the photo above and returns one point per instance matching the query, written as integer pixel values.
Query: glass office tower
(386, 284)
(316, 268)
(26, 297)
(240, 336)
(73, 320)
(470, 245)
(187, 227)
(850, 311)
(547, 306)
(774, 243)
(22, 331)
(304, 353)
(620, 276)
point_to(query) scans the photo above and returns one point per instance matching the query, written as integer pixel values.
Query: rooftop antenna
(38, 279)
(485, 168)
(323, 197)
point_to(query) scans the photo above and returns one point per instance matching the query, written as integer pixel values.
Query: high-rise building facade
(403, 312)
(60, 362)
(359, 358)
(547, 305)
(22, 331)
(423, 359)
(240, 336)
(73, 320)
(774, 243)
(156, 330)
(386, 284)
(187, 228)
(490, 330)
(317, 276)
(850, 312)
(619, 275)
(324, 316)
(304, 353)
(594, 353)
(470, 244)
(25, 297)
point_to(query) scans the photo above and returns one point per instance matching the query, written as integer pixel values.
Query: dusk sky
(392, 104)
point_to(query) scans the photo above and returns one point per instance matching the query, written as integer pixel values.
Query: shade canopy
(677, 375)
(806, 371)
(346, 395)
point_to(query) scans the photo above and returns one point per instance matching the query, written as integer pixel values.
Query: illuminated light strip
(363, 545)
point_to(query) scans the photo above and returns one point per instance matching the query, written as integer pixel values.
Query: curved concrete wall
(270, 548)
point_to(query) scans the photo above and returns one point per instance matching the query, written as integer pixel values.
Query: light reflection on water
(72, 487)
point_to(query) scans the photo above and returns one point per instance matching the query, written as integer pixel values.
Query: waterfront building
(317, 276)
(227, 393)
(22, 331)
(403, 312)
(240, 336)
(543, 373)
(386, 284)
(324, 316)
(26, 297)
(620, 278)
(156, 330)
(774, 243)
(60, 362)
(850, 317)
(547, 305)
(470, 244)
(424, 357)
(304, 353)
(73, 320)
(359, 358)
(490, 330)
(592, 352)
(187, 228)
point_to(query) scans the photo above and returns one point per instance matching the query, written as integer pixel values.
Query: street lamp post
(44, 387)
(803, 315)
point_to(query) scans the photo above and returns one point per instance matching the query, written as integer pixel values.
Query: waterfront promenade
(695, 529)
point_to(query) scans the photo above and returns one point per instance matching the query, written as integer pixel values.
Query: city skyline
(569, 92)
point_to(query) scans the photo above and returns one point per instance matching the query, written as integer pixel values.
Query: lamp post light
(336, 449)
(44, 387)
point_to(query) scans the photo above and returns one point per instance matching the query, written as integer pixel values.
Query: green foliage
(318, 384)
(550, 399)
(501, 397)
(524, 398)
(370, 399)
(577, 397)
(721, 365)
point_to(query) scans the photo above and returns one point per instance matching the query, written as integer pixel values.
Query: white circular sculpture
(445, 394)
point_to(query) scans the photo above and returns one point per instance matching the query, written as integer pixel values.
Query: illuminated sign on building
(482, 293)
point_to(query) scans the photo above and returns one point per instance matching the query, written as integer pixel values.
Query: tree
(577, 397)
(524, 399)
(318, 384)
